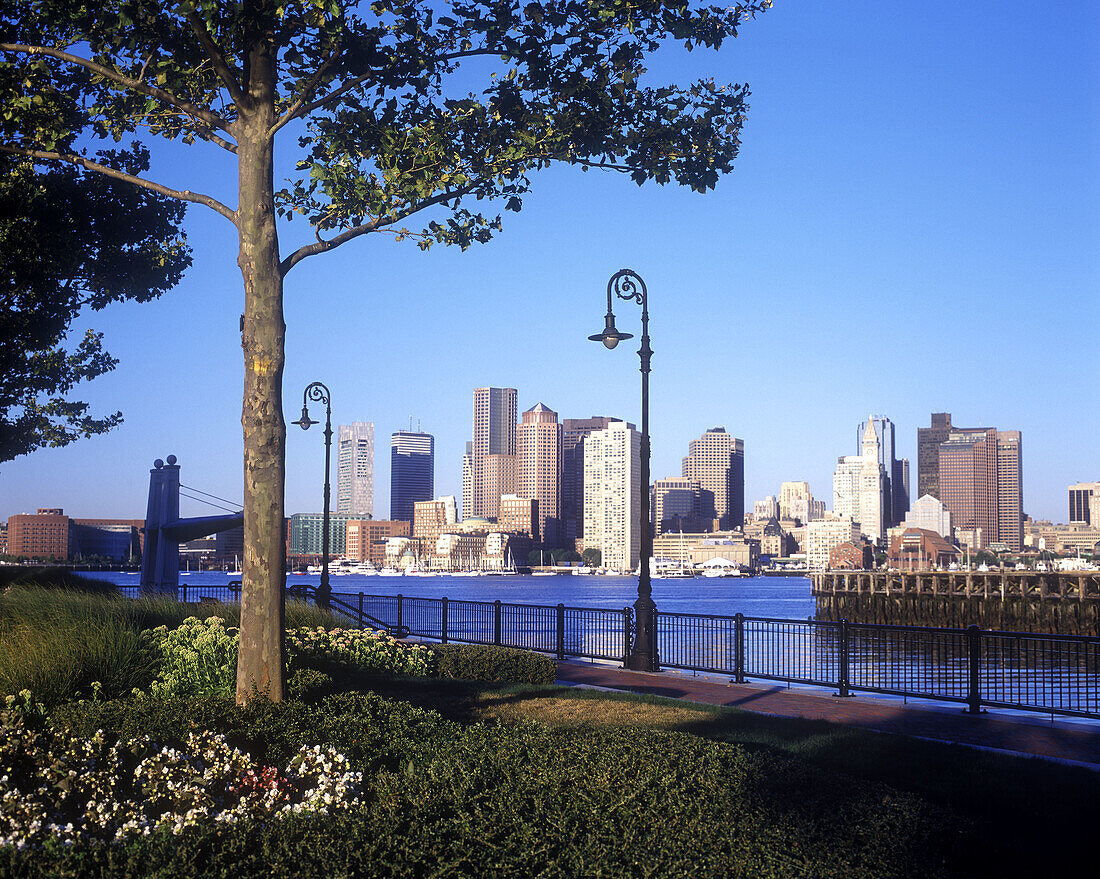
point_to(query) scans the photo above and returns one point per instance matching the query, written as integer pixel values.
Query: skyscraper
(613, 495)
(574, 431)
(1010, 489)
(1083, 498)
(355, 470)
(538, 469)
(490, 465)
(896, 471)
(412, 472)
(717, 461)
(873, 491)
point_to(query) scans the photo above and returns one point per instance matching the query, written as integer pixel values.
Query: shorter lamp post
(627, 284)
(318, 392)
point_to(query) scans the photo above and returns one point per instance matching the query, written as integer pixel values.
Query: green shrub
(359, 650)
(444, 799)
(475, 662)
(198, 658)
(308, 684)
(22, 577)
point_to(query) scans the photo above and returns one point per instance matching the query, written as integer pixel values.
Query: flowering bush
(200, 657)
(99, 789)
(197, 658)
(363, 650)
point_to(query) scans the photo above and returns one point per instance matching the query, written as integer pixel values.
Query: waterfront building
(519, 515)
(766, 509)
(489, 466)
(1084, 503)
(574, 431)
(929, 514)
(412, 472)
(355, 470)
(613, 495)
(716, 460)
(823, 536)
(432, 518)
(673, 504)
(50, 534)
(918, 549)
(538, 470)
(366, 539)
(856, 555)
(774, 541)
(307, 533)
(699, 547)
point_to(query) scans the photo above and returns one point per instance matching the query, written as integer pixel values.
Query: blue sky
(913, 226)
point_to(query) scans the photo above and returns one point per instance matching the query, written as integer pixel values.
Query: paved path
(1038, 736)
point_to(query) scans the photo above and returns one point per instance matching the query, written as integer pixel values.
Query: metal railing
(1054, 674)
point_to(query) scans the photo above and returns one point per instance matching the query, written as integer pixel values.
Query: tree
(69, 241)
(592, 557)
(378, 99)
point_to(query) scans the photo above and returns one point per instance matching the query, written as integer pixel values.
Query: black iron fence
(1055, 674)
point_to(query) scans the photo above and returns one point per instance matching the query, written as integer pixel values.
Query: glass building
(412, 472)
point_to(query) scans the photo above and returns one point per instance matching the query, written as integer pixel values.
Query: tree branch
(221, 68)
(81, 161)
(324, 246)
(186, 107)
(307, 90)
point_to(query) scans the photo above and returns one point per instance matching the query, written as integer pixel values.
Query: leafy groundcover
(424, 796)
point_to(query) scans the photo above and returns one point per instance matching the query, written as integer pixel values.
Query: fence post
(844, 679)
(496, 621)
(400, 613)
(739, 648)
(627, 631)
(974, 657)
(360, 610)
(443, 623)
(654, 657)
(561, 631)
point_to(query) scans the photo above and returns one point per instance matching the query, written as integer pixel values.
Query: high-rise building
(929, 514)
(1083, 498)
(412, 472)
(1010, 489)
(432, 518)
(980, 482)
(355, 470)
(307, 533)
(873, 487)
(613, 495)
(789, 493)
(928, 454)
(824, 536)
(489, 466)
(538, 469)
(765, 510)
(574, 431)
(896, 471)
(673, 504)
(846, 486)
(717, 462)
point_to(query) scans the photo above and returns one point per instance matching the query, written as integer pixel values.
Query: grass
(57, 640)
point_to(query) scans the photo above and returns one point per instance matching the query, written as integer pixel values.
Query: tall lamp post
(319, 393)
(627, 284)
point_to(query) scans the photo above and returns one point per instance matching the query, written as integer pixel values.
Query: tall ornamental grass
(57, 642)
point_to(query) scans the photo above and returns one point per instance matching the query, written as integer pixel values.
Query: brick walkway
(1030, 735)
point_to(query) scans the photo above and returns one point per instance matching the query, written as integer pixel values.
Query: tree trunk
(260, 662)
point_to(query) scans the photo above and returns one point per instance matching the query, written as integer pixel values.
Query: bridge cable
(208, 494)
(210, 503)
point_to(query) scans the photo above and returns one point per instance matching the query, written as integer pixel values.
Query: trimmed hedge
(498, 665)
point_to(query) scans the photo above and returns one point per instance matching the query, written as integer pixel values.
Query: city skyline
(888, 166)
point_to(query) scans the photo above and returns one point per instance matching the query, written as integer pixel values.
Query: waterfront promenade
(1074, 741)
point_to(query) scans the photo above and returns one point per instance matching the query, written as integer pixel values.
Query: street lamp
(319, 393)
(627, 284)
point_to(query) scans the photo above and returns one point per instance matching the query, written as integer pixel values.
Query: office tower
(613, 495)
(896, 471)
(432, 518)
(412, 472)
(968, 480)
(929, 514)
(538, 470)
(492, 452)
(929, 440)
(355, 470)
(672, 502)
(873, 491)
(468, 476)
(1010, 489)
(574, 431)
(519, 515)
(717, 461)
(846, 486)
(1083, 498)
(789, 494)
(766, 509)
(307, 533)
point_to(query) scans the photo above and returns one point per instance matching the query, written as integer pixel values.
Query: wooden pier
(1024, 601)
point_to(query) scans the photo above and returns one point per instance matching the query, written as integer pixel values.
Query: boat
(580, 570)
